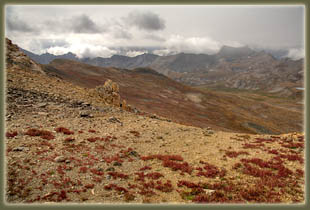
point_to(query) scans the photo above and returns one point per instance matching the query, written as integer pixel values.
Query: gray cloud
(146, 21)
(48, 43)
(121, 33)
(15, 23)
(83, 24)
(80, 24)
(154, 37)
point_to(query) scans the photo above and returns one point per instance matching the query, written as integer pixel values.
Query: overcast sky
(105, 30)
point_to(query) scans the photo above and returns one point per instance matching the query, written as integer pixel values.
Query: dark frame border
(3, 205)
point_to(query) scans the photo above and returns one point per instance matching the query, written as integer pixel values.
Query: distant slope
(150, 91)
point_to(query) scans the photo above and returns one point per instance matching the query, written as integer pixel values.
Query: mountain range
(231, 67)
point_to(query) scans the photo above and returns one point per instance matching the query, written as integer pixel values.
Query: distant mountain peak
(225, 48)
(229, 52)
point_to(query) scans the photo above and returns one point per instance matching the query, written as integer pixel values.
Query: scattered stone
(134, 153)
(116, 163)
(85, 104)
(42, 113)
(209, 192)
(18, 149)
(67, 161)
(42, 105)
(110, 169)
(86, 114)
(114, 120)
(207, 131)
(60, 159)
(154, 116)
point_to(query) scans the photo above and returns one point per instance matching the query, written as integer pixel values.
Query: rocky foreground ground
(67, 144)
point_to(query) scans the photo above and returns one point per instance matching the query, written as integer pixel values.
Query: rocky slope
(68, 144)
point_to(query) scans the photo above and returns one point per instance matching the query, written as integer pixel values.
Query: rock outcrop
(15, 58)
(109, 92)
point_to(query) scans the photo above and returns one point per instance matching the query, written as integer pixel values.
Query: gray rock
(110, 169)
(209, 192)
(85, 104)
(154, 116)
(134, 153)
(114, 120)
(86, 114)
(42, 105)
(208, 131)
(18, 149)
(60, 159)
(117, 163)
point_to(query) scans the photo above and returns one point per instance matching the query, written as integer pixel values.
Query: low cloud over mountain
(100, 30)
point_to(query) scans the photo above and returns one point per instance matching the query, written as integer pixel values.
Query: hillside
(155, 93)
(232, 67)
(71, 144)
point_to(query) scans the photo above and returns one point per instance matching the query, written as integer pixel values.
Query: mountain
(47, 57)
(120, 61)
(231, 53)
(69, 143)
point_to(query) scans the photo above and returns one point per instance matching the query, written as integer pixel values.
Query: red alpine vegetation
(183, 167)
(89, 186)
(93, 139)
(252, 146)
(11, 134)
(162, 157)
(233, 154)
(96, 171)
(83, 169)
(145, 168)
(135, 133)
(64, 130)
(69, 139)
(42, 133)
(211, 171)
(115, 175)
